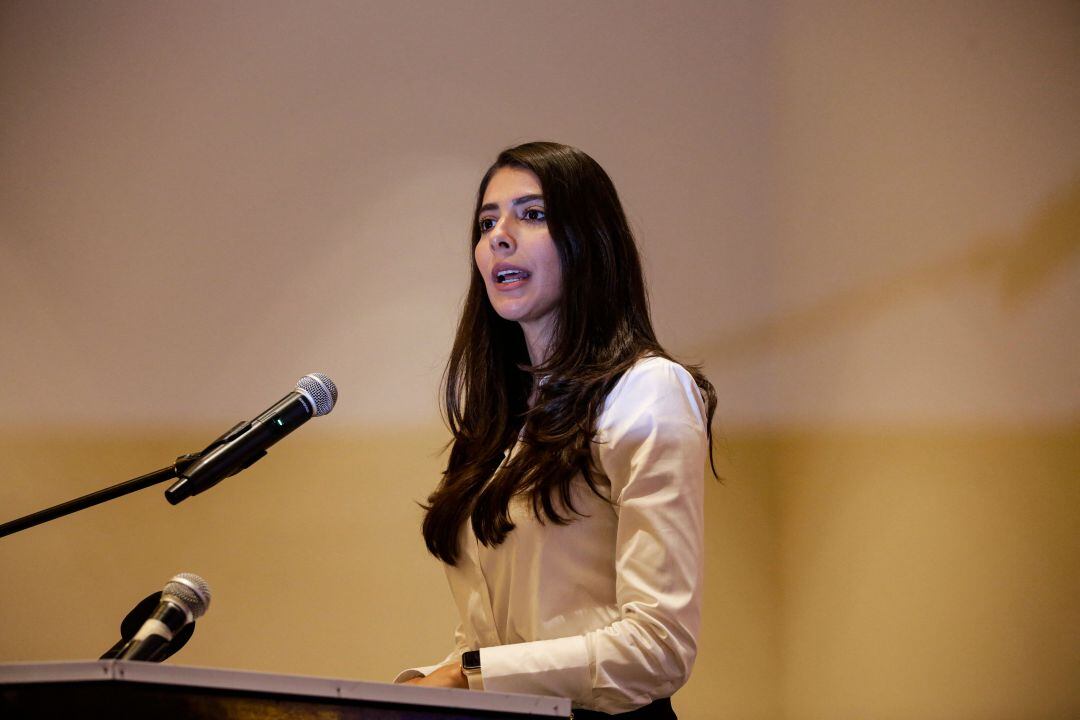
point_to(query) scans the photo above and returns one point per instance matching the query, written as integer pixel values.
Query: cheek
(483, 260)
(480, 256)
(553, 268)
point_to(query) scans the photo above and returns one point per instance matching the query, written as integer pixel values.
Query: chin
(511, 316)
(509, 311)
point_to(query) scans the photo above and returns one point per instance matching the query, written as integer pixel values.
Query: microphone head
(320, 390)
(190, 591)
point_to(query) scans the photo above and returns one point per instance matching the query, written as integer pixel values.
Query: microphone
(185, 599)
(244, 444)
(135, 619)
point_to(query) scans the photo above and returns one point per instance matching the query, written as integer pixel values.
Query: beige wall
(930, 574)
(863, 218)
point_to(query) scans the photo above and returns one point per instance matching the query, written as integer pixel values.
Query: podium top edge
(275, 684)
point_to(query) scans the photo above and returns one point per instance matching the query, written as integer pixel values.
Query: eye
(486, 224)
(534, 214)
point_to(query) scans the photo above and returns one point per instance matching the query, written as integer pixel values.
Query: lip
(499, 267)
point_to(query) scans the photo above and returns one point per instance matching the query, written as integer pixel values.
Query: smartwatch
(470, 665)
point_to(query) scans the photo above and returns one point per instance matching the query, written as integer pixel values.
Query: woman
(569, 517)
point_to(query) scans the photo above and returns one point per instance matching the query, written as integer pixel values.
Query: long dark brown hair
(602, 328)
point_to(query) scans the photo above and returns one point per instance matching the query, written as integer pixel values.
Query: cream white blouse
(605, 610)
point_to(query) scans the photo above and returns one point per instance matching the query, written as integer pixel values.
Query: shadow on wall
(1019, 266)
(1045, 246)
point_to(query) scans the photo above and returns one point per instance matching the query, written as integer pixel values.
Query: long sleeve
(651, 446)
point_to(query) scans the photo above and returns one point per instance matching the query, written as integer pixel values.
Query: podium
(115, 689)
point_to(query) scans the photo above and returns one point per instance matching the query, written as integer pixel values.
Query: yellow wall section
(894, 574)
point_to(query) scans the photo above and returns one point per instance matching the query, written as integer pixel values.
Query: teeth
(505, 276)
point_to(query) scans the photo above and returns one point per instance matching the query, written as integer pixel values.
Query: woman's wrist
(470, 669)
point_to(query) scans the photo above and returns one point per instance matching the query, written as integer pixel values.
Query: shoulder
(655, 386)
(652, 433)
(654, 376)
(656, 369)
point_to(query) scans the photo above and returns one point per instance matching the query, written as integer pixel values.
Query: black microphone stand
(96, 498)
(174, 494)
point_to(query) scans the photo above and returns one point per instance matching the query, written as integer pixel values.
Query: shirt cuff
(558, 667)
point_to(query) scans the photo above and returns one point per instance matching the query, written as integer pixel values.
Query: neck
(538, 341)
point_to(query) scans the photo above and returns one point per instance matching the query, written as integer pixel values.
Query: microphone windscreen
(320, 390)
(191, 591)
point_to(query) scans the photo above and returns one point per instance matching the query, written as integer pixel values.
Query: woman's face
(516, 256)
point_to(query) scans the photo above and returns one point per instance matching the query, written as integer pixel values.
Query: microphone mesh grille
(191, 590)
(321, 389)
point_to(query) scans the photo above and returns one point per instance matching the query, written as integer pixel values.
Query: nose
(501, 238)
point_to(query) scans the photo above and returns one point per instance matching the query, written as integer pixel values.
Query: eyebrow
(515, 202)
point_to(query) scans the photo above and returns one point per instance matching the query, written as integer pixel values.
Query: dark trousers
(656, 710)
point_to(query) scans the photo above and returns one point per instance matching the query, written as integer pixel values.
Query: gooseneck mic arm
(234, 451)
(94, 498)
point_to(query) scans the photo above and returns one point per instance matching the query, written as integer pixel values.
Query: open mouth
(505, 277)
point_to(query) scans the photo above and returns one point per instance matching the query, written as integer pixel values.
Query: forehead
(511, 182)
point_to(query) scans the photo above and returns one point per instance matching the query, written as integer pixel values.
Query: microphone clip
(183, 488)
